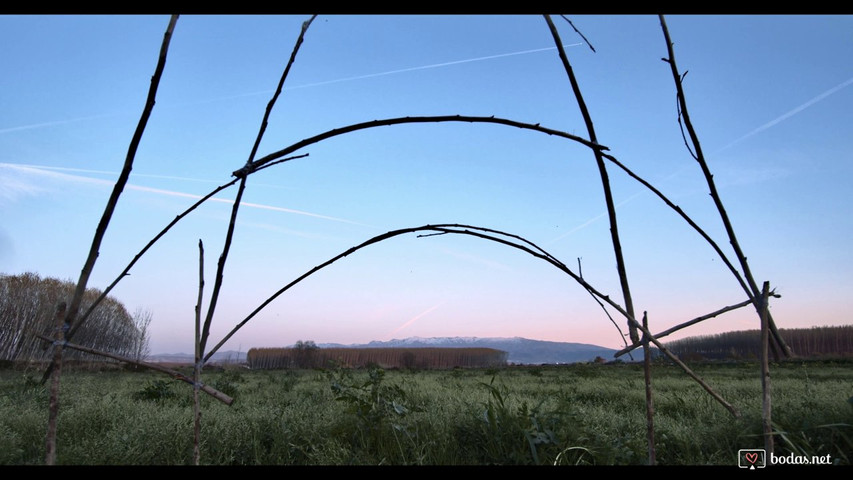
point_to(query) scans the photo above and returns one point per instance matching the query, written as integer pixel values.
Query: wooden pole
(765, 370)
(650, 408)
(198, 363)
(53, 409)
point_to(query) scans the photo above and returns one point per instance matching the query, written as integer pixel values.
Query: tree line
(308, 355)
(824, 341)
(27, 308)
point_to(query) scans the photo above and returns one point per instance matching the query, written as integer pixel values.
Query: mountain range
(519, 350)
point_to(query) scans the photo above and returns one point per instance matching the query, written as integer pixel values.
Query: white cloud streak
(425, 67)
(790, 113)
(115, 174)
(758, 130)
(309, 85)
(55, 123)
(414, 319)
(594, 219)
(29, 187)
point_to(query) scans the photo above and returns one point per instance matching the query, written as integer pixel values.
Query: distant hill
(519, 350)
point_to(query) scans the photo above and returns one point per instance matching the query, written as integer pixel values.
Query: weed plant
(547, 415)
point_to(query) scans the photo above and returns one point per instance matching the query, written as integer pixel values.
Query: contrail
(380, 74)
(106, 172)
(245, 204)
(594, 219)
(791, 113)
(56, 122)
(317, 84)
(424, 67)
(146, 175)
(413, 320)
(78, 178)
(758, 130)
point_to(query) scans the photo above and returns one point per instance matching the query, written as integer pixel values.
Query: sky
(770, 97)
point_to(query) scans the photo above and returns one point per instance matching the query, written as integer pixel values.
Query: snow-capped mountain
(519, 350)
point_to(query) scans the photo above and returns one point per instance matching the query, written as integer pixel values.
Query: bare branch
(272, 101)
(152, 366)
(282, 160)
(74, 307)
(163, 232)
(686, 218)
(605, 181)
(217, 284)
(690, 372)
(700, 158)
(254, 166)
(687, 324)
(578, 32)
(220, 269)
(198, 351)
(525, 245)
(154, 240)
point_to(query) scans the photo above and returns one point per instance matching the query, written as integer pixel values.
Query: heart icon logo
(751, 457)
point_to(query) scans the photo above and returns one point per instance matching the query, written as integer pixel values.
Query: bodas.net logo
(752, 458)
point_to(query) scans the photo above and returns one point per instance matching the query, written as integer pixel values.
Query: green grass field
(582, 414)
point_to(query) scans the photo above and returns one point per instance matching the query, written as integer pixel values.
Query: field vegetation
(581, 414)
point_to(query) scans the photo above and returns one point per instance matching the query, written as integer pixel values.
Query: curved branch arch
(498, 236)
(279, 156)
(511, 240)
(251, 167)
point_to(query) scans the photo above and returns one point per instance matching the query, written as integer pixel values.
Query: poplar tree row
(272, 358)
(828, 341)
(27, 308)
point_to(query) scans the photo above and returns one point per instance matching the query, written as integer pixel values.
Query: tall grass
(569, 415)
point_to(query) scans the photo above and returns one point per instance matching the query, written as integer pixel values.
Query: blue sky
(770, 97)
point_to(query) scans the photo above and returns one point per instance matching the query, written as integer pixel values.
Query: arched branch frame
(744, 277)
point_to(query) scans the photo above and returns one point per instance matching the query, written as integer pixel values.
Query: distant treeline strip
(271, 358)
(805, 342)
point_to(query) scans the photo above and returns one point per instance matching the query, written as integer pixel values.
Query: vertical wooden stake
(198, 362)
(650, 409)
(53, 408)
(765, 370)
